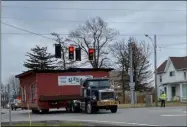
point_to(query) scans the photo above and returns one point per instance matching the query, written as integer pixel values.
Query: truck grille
(107, 95)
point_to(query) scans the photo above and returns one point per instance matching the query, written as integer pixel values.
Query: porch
(175, 91)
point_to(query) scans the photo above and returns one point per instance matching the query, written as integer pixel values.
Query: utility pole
(155, 53)
(9, 96)
(155, 67)
(131, 84)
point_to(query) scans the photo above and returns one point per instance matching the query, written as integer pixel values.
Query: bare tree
(4, 95)
(96, 34)
(120, 52)
(14, 85)
(64, 63)
(141, 65)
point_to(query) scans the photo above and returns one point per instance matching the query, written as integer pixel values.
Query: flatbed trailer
(42, 90)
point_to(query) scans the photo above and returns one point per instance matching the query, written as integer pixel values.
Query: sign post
(9, 96)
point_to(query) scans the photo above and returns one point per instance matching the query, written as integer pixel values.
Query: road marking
(111, 122)
(175, 115)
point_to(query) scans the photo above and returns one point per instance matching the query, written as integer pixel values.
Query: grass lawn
(141, 105)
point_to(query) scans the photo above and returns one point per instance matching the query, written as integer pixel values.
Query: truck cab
(98, 94)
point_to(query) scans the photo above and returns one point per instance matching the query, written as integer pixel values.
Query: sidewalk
(3, 111)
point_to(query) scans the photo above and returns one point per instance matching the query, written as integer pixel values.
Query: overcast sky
(165, 19)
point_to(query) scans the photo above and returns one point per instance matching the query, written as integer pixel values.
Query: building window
(172, 73)
(160, 78)
(184, 75)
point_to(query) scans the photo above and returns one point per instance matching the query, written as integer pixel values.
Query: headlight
(116, 97)
(16, 104)
(94, 97)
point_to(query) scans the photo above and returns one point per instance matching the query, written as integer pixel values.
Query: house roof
(60, 71)
(178, 62)
(161, 68)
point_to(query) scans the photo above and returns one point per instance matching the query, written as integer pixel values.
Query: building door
(173, 91)
(165, 90)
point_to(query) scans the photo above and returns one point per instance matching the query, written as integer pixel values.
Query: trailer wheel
(114, 109)
(35, 111)
(89, 108)
(68, 109)
(75, 107)
(45, 110)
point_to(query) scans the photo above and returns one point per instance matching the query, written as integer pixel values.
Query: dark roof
(60, 71)
(161, 68)
(178, 62)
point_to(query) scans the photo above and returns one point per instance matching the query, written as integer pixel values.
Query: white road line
(175, 115)
(111, 122)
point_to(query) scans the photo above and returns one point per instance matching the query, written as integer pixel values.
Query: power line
(41, 35)
(117, 35)
(27, 31)
(74, 21)
(163, 45)
(172, 48)
(95, 9)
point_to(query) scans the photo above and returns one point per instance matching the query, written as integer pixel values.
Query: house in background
(172, 78)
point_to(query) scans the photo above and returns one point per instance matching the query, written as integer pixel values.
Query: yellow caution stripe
(107, 103)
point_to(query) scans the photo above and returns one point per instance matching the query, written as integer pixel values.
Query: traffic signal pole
(131, 84)
(155, 61)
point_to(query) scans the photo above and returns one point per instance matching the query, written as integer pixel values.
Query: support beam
(181, 92)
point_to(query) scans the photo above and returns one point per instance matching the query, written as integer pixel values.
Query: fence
(139, 97)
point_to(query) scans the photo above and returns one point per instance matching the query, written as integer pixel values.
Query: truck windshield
(99, 84)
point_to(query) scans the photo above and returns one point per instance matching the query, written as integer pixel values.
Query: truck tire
(114, 109)
(75, 108)
(34, 111)
(89, 108)
(68, 109)
(45, 110)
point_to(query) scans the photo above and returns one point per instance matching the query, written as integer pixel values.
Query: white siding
(166, 79)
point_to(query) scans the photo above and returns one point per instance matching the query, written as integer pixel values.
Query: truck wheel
(68, 109)
(90, 108)
(114, 109)
(45, 110)
(76, 108)
(35, 111)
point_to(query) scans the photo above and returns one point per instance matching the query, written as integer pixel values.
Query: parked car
(15, 104)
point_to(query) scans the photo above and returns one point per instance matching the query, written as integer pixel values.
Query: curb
(52, 122)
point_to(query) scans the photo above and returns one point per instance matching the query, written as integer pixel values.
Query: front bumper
(107, 103)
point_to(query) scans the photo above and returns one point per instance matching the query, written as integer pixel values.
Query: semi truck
(84, 90)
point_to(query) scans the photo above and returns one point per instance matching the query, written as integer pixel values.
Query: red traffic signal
(91, 54)
(71, 52)
(71, 49)
(91, 50)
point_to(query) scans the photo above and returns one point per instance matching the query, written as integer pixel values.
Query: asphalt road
(168, 116)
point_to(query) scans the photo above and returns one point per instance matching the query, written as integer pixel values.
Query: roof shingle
(178, 63)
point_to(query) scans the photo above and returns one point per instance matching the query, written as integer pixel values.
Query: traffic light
(78, 54)
(57, 50)
(71, 52)
(91, 53)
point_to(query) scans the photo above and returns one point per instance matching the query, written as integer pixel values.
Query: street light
(155, 66)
